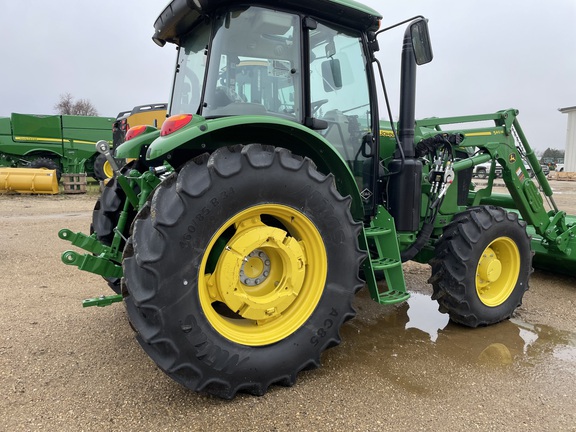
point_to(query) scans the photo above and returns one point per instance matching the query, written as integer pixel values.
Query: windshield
(255, 65)
(190, 69)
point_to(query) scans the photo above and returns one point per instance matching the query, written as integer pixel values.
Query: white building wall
(570, 150)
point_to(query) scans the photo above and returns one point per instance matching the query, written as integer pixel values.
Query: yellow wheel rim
(108, 171)
(497, 271)
(268, 278)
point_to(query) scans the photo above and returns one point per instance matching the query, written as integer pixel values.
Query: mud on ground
(400, 368)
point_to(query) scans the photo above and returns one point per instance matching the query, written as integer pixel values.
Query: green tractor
(243, 228)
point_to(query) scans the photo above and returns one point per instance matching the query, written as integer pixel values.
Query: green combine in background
(63, 143)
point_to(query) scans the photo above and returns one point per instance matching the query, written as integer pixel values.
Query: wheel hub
(490, 267)
(497, 271)
(261, 271)
(255, 269)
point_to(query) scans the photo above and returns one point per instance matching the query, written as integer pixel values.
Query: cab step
(375, 231)
(382, 244)
(385, 263)
(393, 297)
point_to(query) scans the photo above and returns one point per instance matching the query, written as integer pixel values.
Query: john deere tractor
(243, 228)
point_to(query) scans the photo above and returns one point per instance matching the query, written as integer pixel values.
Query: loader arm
(505, 144)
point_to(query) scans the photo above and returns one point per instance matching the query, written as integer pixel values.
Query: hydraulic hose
(421, 240)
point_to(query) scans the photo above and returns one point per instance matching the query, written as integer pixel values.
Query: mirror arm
(399, 24)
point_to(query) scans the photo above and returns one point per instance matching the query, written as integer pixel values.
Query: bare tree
(66, 105)
(84, 107)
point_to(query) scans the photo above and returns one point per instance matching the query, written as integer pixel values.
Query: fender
(132, 149)
(209, 134)
(41, 152)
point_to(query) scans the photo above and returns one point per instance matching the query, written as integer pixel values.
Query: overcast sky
(488, 55)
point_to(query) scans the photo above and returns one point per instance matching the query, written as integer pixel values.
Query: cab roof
(180, 15)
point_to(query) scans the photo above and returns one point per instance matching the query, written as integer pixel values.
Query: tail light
(133, 132)
(175, 123)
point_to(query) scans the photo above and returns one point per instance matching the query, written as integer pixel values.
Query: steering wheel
(317, 104)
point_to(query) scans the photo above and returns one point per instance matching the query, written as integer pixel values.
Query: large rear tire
(482, 266)
(241, 269)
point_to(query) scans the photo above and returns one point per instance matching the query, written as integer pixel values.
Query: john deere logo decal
(512, 158)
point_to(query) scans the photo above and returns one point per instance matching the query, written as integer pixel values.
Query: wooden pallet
(74, 183)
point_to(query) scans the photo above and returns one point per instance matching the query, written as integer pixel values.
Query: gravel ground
(400, 368)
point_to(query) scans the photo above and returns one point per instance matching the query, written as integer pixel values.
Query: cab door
(339, 98)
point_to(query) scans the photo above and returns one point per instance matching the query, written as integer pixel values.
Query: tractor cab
(256, 61)
(310, 64)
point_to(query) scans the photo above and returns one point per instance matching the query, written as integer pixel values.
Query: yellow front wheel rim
(268, 278)
(108, 171)
(497, 271)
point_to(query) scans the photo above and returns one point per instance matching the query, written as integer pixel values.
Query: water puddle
(423, 315)
(506, 338)
(417, 330)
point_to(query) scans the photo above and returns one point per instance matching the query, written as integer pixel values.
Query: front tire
(49, 164)
(102, 168)
(241, 270)
(482, 266)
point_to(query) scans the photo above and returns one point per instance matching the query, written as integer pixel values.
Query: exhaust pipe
(405, 188)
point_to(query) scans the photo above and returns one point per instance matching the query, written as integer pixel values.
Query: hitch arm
(92, 263)
(89, 244)
(101, 259)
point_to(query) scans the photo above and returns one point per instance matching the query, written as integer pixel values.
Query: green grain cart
(239, 236)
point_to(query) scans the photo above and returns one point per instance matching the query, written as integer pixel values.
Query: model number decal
(323, 331)
(202, 215)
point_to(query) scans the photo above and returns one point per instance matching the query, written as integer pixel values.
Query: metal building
(570, 152)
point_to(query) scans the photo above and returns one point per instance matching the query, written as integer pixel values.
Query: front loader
(241, 231)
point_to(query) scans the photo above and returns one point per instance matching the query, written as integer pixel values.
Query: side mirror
(332, 75)
(421, 42)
